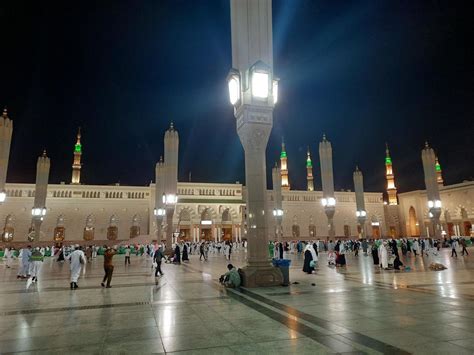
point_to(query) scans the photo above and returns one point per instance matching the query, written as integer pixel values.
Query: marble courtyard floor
(358, 309)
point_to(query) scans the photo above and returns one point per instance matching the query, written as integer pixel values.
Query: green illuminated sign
(78, 147)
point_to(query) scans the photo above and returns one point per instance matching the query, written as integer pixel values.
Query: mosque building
(77, 212)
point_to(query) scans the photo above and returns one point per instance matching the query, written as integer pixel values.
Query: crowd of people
(385, 252)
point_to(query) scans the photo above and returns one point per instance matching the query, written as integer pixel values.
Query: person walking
(8, 255)
(464, 244)
(128, 251)
(454, 246)
(108, 267)
(201, 252)
(77, 259)
(25, 254)
(157, 258)
(36, 261)
(185, 253)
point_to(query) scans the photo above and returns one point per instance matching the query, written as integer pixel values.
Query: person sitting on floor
(231, 278)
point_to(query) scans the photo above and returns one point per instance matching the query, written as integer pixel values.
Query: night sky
(363, 72)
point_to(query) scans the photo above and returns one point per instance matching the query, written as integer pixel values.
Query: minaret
(285, 184)
(309, 172)
(170, 181)
(391, 189)
(76, 165)
(439, 173)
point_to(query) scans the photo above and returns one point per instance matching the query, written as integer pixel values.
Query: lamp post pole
(328, 201)
(432, 189)
(361, 214)
(159, 210)
(170, 197)
(253, 92)
(6, 130)
(277, 198)
(41, 189)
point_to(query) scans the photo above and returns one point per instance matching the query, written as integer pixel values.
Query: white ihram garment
(75, 259)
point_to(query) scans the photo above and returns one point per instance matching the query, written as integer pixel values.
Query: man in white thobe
(383, 255)
(36, 261)
(24, 257)
(8, 255)
(77, 259)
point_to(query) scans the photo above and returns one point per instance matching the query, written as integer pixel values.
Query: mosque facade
(78, 212)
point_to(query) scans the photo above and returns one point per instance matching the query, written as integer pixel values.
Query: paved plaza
(358, 309)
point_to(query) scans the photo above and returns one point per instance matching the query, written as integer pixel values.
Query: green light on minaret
(283, 154)
(388, 160)
(78, 148)
(438, 167)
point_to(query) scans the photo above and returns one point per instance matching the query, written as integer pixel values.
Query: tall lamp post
(170, 193)
(361, 213)
(41, 189)
(277, 211)
(328, 201)
(253, 91)
(6, 130)
(159, 211)
(432, 189)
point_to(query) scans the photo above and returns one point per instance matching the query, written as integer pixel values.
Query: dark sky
(363, 72)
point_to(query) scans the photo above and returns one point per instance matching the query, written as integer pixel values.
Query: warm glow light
(277, 212)
(437, 204)
(331, 201)
(170, 199)
(234, 89)
(376, 224)
(37, 212)
(260, 85)
(357, 213)
(159, 212)
(3, 196)
(206, 222)
(430, 204)
(275, 91)
(324, 202)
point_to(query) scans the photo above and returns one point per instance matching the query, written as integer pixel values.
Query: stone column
(328, 201)
(171, 181)
(253, 92)
(361, 214)
(41, 190)
(432, 188)
(6, 130)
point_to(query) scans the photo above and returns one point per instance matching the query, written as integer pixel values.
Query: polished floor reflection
(358, 309)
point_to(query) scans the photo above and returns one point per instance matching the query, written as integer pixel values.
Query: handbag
(155, 264)
(312, 263)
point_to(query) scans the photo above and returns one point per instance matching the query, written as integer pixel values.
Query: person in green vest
(36, 261)
(271, 248)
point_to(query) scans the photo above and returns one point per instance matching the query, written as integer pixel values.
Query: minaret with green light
(391, 189)
(309, 172)
(285, 184)
(76, 165)
(439, 173)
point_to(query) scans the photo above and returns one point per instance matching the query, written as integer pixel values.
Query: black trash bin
(284, 266)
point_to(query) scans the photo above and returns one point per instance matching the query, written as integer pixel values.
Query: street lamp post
(432, 189)
(159, 212)
(328, 201)
(277, 198)
(170, 196)
(361, 214)
(253, 91)
(38, 211)
(6, 130)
